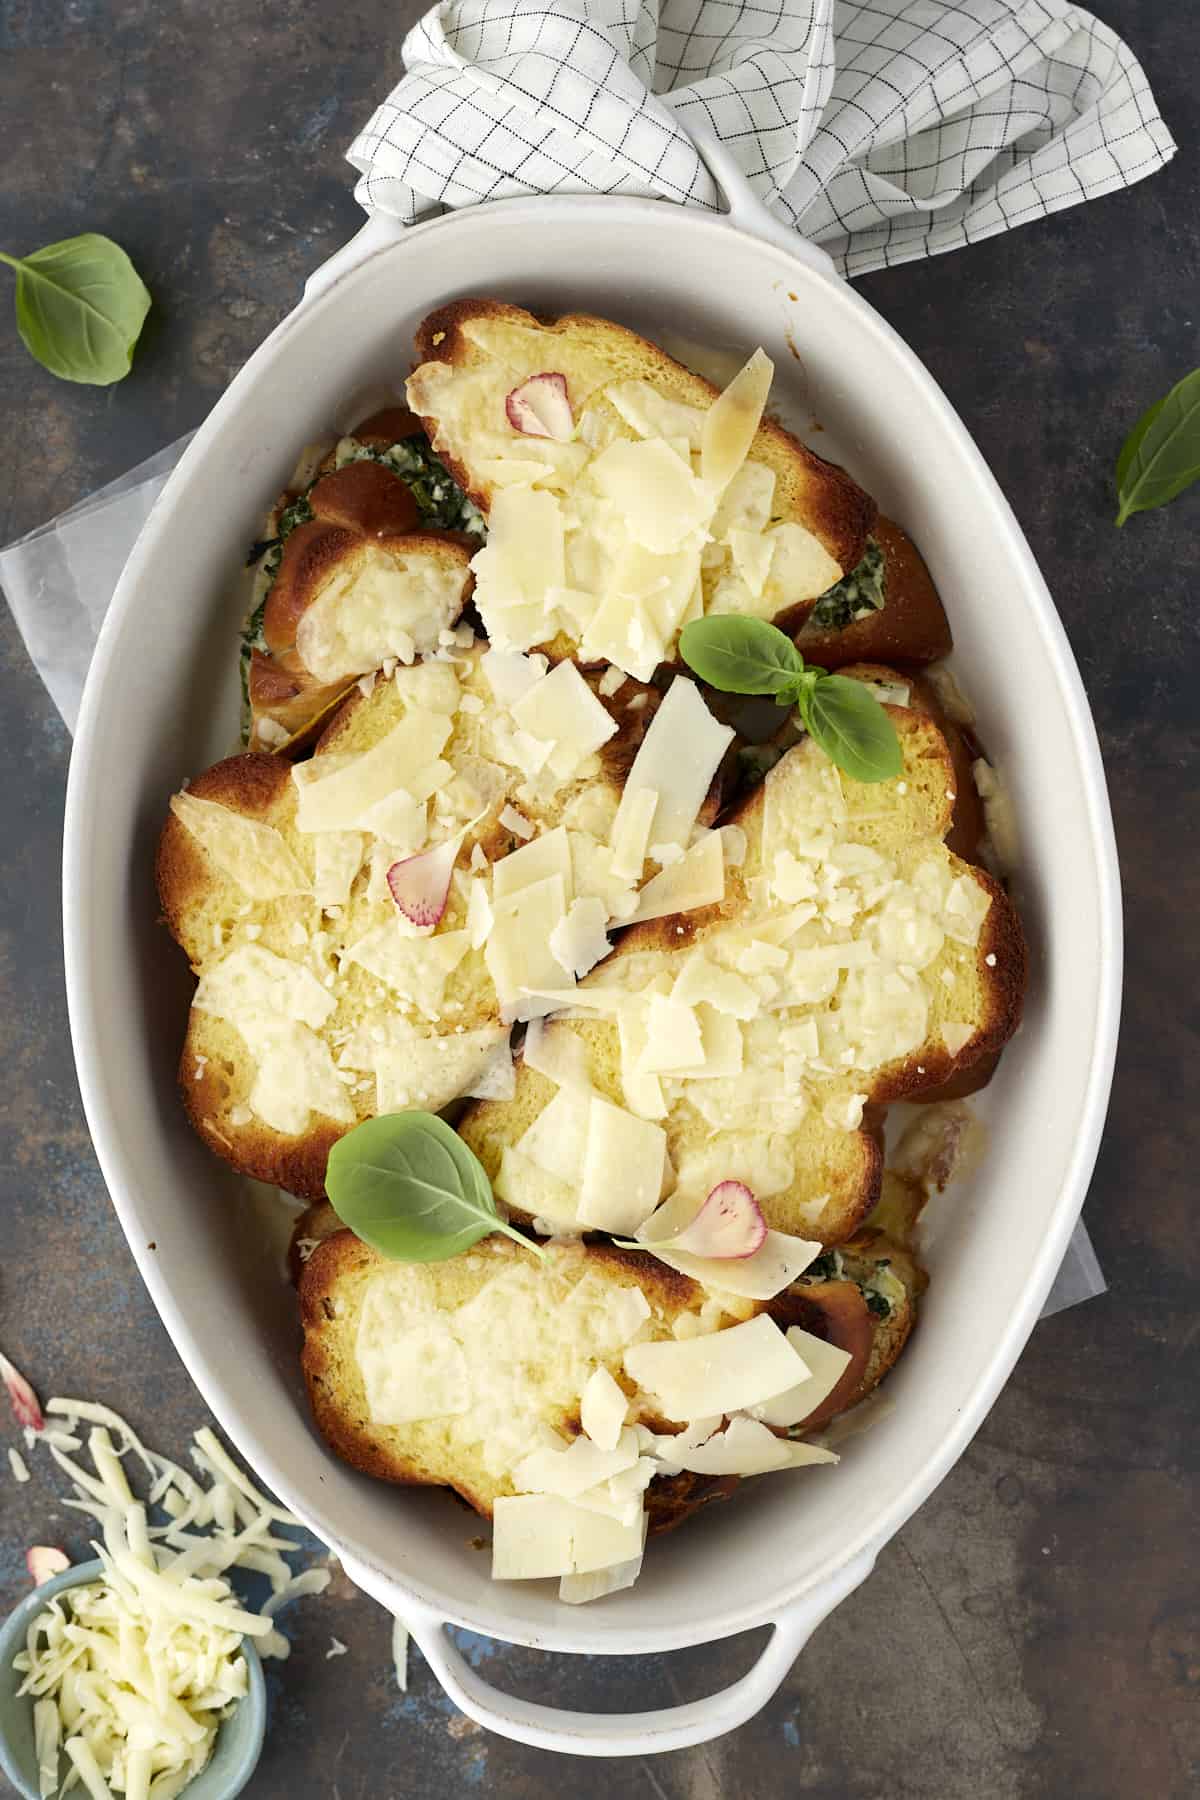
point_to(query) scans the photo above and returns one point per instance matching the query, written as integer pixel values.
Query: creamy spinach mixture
(860, 592)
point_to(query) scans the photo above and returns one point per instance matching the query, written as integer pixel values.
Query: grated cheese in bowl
(132, 1675)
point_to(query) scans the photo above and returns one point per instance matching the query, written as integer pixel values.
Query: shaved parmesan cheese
(253, 983)
(537, 1534)
(678, 758)
(432, 685)
(338, 857)
(673, 1041)
(520, 1183)
(569, 1473)
(698, 879)
(545, 857)
(576, 1590)
(557, 1053)
(602, 1409)
(562, 707)
(254, 855)
(655, 415)
(643, 1092)
(294, 1076)
(339, 801)
(516, 822)
(622, 1170)
(732, 421)
(510, 674)
(518, 953)
(746, 503)
(415, 968)
(479, 914)
(524, 556)
(752, 553)
(826, 1364)
(555, 1140)
(746, 1447)
(800, 563)
(580, 940)
(767, 1272)
(659, 500)
(17, 1464)
(631, 834)
(700, 980)
(497, 1080)
(722, 1373)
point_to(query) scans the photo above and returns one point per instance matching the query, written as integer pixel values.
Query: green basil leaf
(1161, 455)
(407, 1185)
(845, 717)
(81, 305)
(738, 655)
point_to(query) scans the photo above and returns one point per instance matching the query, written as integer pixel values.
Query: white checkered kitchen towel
(884, 130)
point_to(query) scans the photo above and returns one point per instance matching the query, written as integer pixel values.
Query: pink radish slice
(25, 1403)
(728, 1225)
(421, 884)
(540, 407)
(44, 1562)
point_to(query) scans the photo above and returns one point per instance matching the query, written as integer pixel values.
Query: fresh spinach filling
(881, 1290)
(856, 595)
(443, 504)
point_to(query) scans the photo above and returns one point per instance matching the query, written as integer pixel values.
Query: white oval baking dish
(160, 704)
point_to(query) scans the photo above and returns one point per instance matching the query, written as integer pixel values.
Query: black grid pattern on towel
(884, 129)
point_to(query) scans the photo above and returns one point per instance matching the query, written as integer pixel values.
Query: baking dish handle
(379, 232)
(746, 212)
(618, 1734)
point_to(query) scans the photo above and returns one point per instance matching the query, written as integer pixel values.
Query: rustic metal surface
(1035, 1630)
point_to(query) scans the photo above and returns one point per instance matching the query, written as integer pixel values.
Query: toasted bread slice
(526, 1336)
(349, 574)
(910, 627)
(356, 584)
(378, 1016)
(787, 526)
(855, 961)
(530, 1347)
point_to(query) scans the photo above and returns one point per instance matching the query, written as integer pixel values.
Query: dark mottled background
(1035, 1630)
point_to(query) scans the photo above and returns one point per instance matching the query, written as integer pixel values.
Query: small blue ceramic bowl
(239, 1741)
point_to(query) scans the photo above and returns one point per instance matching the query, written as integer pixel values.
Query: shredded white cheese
(132, 1674)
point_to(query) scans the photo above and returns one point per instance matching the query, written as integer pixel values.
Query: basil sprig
(406, 1184)
(1161, 455)
(81, 305)
(739, 655)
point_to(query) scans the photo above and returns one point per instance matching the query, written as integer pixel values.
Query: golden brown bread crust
(911, 627)
(389, 425)
(365, 497)
(837, 510)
